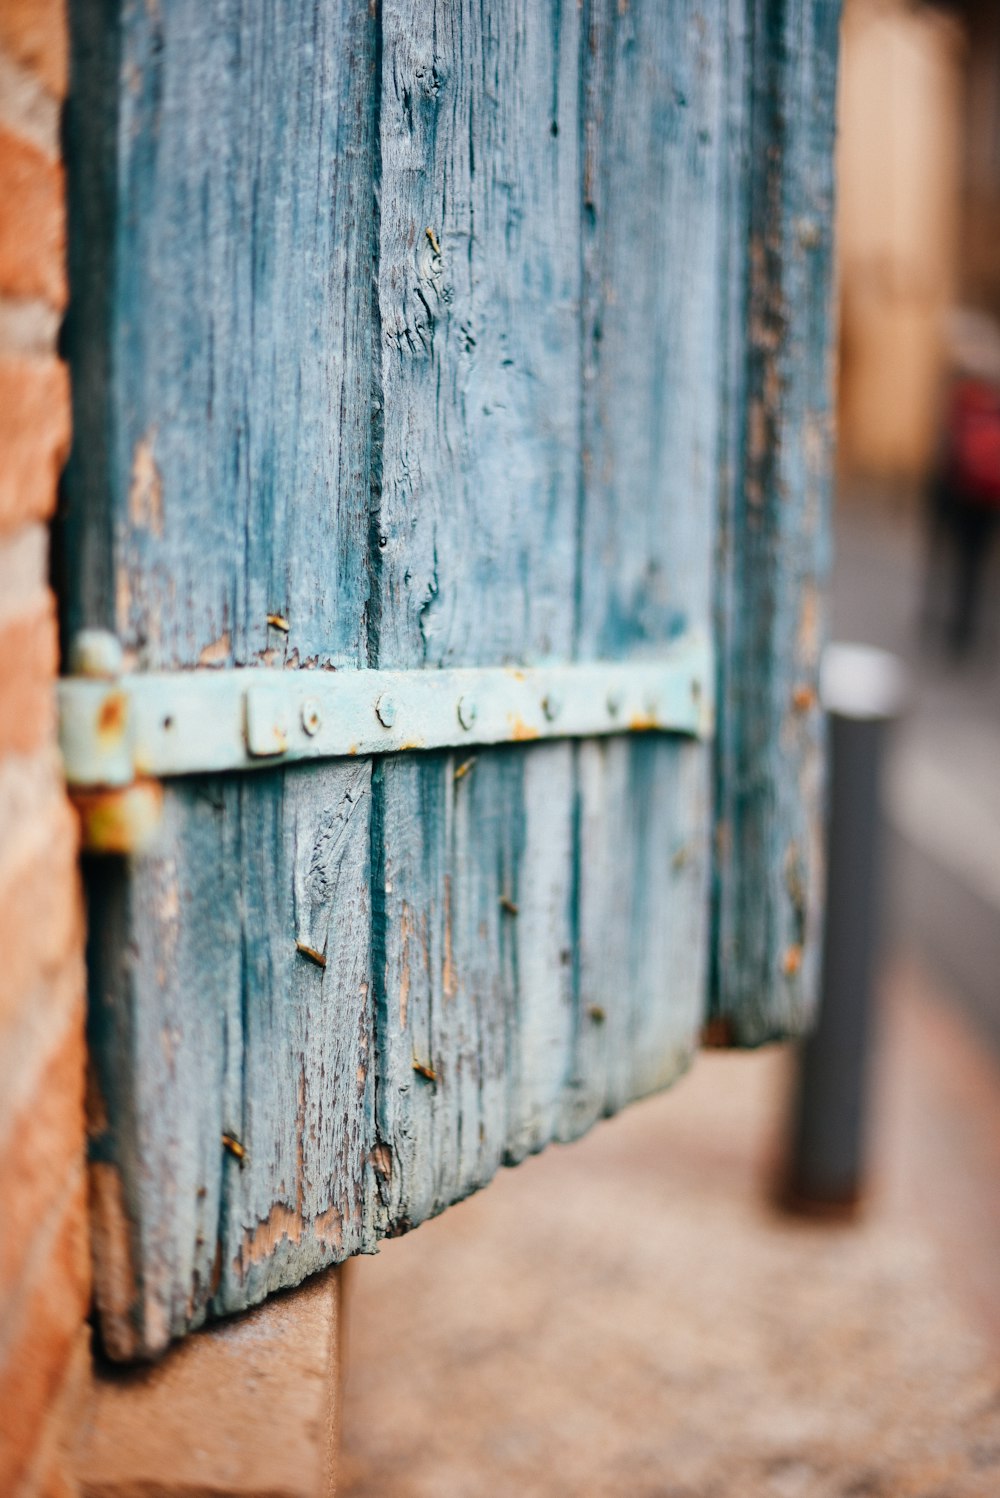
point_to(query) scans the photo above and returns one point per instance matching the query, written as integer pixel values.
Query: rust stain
(803, 698)
(425, 1070)
(449, 983)
(464, 768)
(113, 716)
(145, 495)
(597, 1013)
(507, 904)
(119, 821)
(521, 731)
(792, 961)
(643, 723)
(279, 622)
(216, 654)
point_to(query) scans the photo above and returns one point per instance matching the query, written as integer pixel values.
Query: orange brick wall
(44, 1264)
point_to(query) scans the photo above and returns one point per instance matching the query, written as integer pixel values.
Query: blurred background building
(919, 236)
(919, 218)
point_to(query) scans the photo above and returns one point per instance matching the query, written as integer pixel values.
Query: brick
(245, 1409)
(58, 1482)
(33, 223)
(24, 558)
(41, 916)
(53, 1471)
(34, 436)
(34, 33)
(29, 658)
(42, 1143)
(37, 1349)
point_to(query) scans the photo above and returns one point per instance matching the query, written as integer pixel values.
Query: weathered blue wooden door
(408, 338)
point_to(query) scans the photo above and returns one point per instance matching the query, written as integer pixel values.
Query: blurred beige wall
(899, 175)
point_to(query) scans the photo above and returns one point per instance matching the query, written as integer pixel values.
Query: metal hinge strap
(119, 729)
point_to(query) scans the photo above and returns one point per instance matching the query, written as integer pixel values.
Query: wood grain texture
(653, 136)
(220, 334)
(774, 520)
(479, 278)
(424, 330)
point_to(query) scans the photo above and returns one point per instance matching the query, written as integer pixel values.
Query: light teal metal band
(115, 729)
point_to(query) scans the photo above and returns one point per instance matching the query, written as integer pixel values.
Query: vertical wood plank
(478, 296)
(652, 221)
(773, 539)
(165, 984)
(220, 336)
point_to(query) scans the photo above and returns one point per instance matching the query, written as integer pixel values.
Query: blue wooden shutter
(414, 338)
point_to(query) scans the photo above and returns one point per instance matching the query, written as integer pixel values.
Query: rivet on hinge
(385, 707)
(467, 710)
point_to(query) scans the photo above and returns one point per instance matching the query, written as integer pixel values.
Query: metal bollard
(862, 690)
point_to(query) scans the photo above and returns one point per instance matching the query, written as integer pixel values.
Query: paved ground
(704, 1346)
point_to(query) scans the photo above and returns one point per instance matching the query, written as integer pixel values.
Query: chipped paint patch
(111, 1234)
(218, 653)
(449, 984)
(145, 495)
(808, 636)
(407, 926)
(281, 1224)
(381, 1161)
(328, 1229)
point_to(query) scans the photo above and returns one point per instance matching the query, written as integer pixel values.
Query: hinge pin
(96, 653)
(312, 718)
